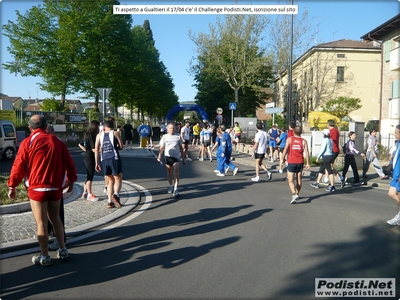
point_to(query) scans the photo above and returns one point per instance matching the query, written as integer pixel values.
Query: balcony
(395, 59)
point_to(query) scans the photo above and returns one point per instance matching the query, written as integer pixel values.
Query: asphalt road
(223, 238)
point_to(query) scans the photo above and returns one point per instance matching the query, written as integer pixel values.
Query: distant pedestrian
(297, 150)
(372, 156)
(205, 142)
(394, 189)
(350, 161)
(107, 144)
(273, 146)
(334, 135)
(185, 136)
(128, 132)
(282, 143)
(171, 147)
(45, 164)
(238, 135)
(260, 148)
(224, 152)
(196, 135)
(150, 136)
(88, 146)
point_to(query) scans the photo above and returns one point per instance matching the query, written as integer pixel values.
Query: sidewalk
(19, 229)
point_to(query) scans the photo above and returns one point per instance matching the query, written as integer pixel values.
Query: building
(327, 71)
(388, 34)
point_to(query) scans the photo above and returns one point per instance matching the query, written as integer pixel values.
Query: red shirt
(296, 150)
(44, 161)
(334, 135)
(290, 133)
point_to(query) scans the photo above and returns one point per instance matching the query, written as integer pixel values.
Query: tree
(51, 105)
(341, 107)
(233, 49)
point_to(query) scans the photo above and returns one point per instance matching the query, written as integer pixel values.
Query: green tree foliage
(79, 46)
(232, 53)
(51, 105)
(341, 107)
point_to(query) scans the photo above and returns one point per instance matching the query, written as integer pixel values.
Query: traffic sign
(232, 106)
(274, 110)
(107, 90)
(144, 130)
(270, 105)
(219, 110)
(219, 117)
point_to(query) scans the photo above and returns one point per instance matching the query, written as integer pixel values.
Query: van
(319, 119)
(8, 139)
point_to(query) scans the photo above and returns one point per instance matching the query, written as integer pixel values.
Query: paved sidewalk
(19, 229)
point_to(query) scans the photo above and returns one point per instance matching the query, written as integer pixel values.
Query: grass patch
(22, 193)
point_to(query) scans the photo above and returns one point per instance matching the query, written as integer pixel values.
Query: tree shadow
(375, 254)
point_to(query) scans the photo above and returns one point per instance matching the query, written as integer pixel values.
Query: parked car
(372, 124)
(8, 139)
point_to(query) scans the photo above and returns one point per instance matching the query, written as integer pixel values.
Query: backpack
(344, 147)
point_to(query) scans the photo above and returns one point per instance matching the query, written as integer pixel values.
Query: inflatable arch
(180, 107)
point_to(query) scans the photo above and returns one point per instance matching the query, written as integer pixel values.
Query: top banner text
(205, 9)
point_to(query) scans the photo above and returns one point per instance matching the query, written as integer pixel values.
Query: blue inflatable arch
(180, 107)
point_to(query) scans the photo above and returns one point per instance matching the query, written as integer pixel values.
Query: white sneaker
(294, 199)
(395, 220)
(175, 193)
(257, 178)
(105, 190)
(220, 174)
(201, 159)
(235, 171)
(170, 189)
(55, 245)
(216, 171)
(269, 174)
(188, 159)
(226, 170)
(280, 171)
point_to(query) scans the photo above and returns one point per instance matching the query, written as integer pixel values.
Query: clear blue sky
(334, 20)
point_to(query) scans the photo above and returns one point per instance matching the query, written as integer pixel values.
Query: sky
(332, 20)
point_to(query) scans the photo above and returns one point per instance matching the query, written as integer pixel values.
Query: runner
(260, 148)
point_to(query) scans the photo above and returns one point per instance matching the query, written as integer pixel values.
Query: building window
(387, 46)
(395, 89)
(341, 56)
(311, 75)
(340, 74)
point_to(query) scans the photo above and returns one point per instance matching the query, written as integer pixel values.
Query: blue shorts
(272, 143)
(112, 167)
(395, 183)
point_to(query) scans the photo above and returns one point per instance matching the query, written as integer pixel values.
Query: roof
(379, 32)
(351, 44)
(11, 98)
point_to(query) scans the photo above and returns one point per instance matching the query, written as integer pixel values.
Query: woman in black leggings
(350, 160)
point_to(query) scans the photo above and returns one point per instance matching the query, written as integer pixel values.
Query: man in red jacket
(44, 162)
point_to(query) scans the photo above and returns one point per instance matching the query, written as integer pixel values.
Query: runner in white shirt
(260, 148)
(185, 136)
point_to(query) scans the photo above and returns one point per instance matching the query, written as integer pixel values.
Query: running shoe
(188, 159)
(170, 189)
(394, 221)
(220, 174)
(358, 183)
(226, 170)
(330, 188)
(201, 159)
(269, 174)
(62, 254)
(216, 171)
(105, 190)
(39, 259)
(93, 198)
(315, 185)
(115, 199)
(384, 177)
(280, 171)
(342, 182)
(294, 199)
(55, 245)
(175, 193)
(110, 205)
(84, 195)
(235, 171)
(257, 178)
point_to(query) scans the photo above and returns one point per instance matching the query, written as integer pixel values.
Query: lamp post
(289, 110)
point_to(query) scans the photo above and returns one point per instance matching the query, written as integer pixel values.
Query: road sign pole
(231, 118)
(104, 106)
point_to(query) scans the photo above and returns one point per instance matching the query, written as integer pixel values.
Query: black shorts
(128, 138)
(295, 168)
(196, 136)
(259, 155)
(206, 144)
(186, 142)
(169, 160)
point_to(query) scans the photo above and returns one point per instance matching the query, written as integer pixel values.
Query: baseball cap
(325, 131)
